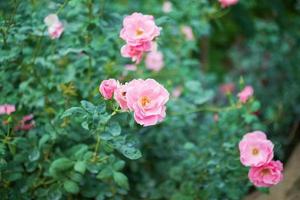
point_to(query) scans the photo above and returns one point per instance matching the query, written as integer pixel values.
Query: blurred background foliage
(89, 153)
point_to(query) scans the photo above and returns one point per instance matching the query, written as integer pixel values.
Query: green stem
(209, 109)
(102, 8)
(62, 6)
(90, 8)
(96, 148)
(4, 38)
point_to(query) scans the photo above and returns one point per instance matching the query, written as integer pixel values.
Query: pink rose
(55, 30)
(187, 32)
(107, 88)
(138, 29)
(255, 149)
(130, 67)
(227, 88)
(120, 95)
(154, 61)
(147, 99)
(7, 109)
(177, 92)
(227, 3)
(167, 7)
(51, 19)
(26, 123)
(55, 27)
(245, 94)
(267, 175)
(132, 52)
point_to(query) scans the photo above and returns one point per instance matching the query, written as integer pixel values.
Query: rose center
(265, 172)
(139, 32)
(144, 101)
(255, 151)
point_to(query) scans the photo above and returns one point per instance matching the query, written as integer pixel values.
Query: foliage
(83, 147)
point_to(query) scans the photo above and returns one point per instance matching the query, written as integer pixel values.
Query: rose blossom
(147, 99)
(26, 123)
(120, 95)
(227, 3)
(7, 109)
(177, 92)
(154, 61)
(56, 30)
(55, 27)
(188, 32)
(107, 88)
(255, 149)
(138, 29)
(245, 94)
(130, 67)
(167, 7)
(51, 19)
(227, 88)
(267, 175)
(132, 52)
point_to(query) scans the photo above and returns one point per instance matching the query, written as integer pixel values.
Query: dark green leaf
(71, 187)
(121, 180)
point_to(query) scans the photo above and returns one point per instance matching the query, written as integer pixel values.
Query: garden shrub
(65, 140)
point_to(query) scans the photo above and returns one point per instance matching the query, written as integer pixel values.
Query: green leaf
(14, 176)
(60, 165)
(71, 187)
(130, 152)
(72, 111)
(119, 165)
(121, 180)
(80, 167)
(249, 118)
(101, 108)
(85, 125)
(104, 118)
(255, 106)
(43, 140)
(193, 85)
(34, 155)
(114, 129)
(88, 106)
(75, 176)
(204, 97)
(105, 173)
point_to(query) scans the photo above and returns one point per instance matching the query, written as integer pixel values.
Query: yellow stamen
(255, 151)
(144, 101)
(139, 32)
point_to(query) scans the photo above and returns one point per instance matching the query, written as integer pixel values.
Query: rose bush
(80, 121)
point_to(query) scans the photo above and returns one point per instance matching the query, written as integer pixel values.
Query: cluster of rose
(139, 32)
(256, 152)
(146, 98)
